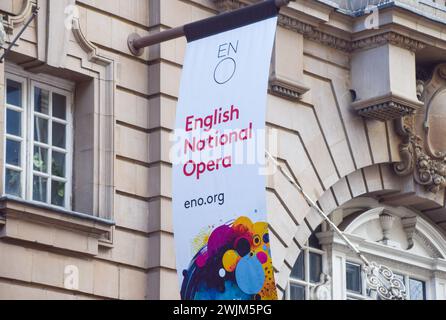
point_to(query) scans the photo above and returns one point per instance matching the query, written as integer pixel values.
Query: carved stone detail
(418, 155)
(428, 172)
(389, 37)
(286, 89)
(385, 108)
(386, 221)
(311, 32)
(87, 46)
(322, 290)
(409, 227)
(229, 5)
(12, 20)
(428, 244)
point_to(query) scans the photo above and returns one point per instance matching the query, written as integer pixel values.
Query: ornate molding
(428, 244)
(419, 156)
(322, 290)
(409, 227)
(286, 89)
(387, 107)
(428, 172)
(229, 5)
(384, 281)
(10, 21)
(104, 70)
(87, 46)
(311, 32)
(388, 37)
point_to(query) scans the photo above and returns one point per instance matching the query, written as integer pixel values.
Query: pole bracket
(131, 44)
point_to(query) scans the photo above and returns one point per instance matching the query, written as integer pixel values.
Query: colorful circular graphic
(234, 264)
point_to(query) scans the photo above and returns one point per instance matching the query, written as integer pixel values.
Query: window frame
(24, 134)
(350, 295)
(306, 283)
(363, 288)
(53, 85)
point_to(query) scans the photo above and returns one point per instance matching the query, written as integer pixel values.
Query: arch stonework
(378, 182)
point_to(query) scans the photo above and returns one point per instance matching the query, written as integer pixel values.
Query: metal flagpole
(379, 277)
(137, 43)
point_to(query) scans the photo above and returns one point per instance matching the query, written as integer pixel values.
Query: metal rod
(35, 12)
(137, 43)
(321, 213)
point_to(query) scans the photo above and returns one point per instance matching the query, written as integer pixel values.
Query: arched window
(399, 238)
(307, 270)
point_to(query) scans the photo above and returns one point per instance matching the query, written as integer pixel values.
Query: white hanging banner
(219, 198)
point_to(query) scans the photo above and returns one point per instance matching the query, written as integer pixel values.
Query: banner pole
(316, 207)
(137, 43)
(379, 277)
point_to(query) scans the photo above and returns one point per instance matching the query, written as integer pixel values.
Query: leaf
(38, 162)
(61, 191)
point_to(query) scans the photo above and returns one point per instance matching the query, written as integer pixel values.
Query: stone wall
(130, 103)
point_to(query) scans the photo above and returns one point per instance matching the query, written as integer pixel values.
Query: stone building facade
(357, 102)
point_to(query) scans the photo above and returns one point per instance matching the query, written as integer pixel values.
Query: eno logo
(226, 67)
(71, 278)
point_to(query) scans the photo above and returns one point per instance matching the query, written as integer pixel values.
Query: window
(353, 277)
(417, 289)
(38, 142)
(355, 280)
(307, 271)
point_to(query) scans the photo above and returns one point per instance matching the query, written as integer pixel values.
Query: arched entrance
(403, 239)
(366, 193)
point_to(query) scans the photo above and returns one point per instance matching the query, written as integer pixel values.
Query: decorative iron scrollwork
(384, 281)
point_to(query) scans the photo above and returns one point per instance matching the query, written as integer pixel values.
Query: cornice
(386, 107)
(391, 37)
(286, 89)
(314, 33)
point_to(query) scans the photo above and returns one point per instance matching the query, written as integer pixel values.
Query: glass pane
(14, 122)
(13, 154)
(59, 106)
(58, 167)
(41, 101)
(417, 289)
(59, 135)
(354, 278)
(12, 183)
(58, 193)
(41, 130)
(40, 159)
(315, 267)
(14, 93)
(39, 189)
(297, 292)
(298, 271)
